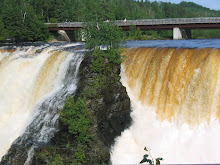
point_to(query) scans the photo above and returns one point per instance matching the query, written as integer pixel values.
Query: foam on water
(175, 106)
(30, 78)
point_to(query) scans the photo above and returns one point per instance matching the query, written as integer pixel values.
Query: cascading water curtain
(34, 82)
(175, 99)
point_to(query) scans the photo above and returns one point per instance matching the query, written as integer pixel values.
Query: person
(125, 20)
(66, 21)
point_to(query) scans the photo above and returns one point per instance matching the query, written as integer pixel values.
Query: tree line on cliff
(23, 20)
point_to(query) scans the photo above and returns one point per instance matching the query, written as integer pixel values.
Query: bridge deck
(203, 22)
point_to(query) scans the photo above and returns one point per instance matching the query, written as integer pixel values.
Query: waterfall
(175, 99)
(34, 83)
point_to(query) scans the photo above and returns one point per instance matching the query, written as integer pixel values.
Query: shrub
(75, 115)
(149, 159)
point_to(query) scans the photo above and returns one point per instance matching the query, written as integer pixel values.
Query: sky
(212, 4)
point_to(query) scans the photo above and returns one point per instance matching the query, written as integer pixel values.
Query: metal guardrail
(145, 22)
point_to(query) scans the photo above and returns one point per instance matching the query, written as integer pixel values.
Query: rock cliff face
(111, 109)
(110, 113)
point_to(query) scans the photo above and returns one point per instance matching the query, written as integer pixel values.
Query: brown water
(175, 99)
(179, 83)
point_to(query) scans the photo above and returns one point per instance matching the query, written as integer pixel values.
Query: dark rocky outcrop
(110, 113)
(111, 109)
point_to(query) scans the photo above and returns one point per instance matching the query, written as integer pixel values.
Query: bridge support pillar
(177, 34)
(83, 36)
(62, 35)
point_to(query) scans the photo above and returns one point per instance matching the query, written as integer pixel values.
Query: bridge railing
(168, 21)
(145, 22)
(68, 24)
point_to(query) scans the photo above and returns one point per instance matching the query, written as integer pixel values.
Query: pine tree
(22, 23)
(2, 30)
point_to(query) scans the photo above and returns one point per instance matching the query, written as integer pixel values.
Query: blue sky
(212, 4)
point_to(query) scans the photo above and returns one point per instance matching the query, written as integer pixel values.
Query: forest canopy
(23, 20)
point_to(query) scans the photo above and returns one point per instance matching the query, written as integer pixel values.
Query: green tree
(135, 33)
(75, 116)
(109, 36)
(12, 18)
(2, 30)
(43, 8)
(57, 160)
(102, 33)
(15, 13)
(21, 23)
(34, 30)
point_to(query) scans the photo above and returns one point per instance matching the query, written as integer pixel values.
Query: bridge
(181, 26)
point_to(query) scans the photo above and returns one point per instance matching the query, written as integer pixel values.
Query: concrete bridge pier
(64, 35)
(83, 36)
(179, 34)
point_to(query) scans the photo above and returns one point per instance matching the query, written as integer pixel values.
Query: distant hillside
(81, 10)
(22, 19)
(196, 10)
